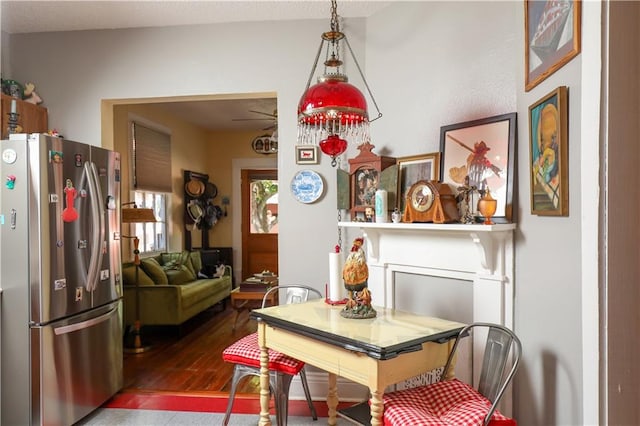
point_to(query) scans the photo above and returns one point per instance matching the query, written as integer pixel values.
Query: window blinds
(151, 159)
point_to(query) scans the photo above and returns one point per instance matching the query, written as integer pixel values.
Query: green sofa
(171, 288)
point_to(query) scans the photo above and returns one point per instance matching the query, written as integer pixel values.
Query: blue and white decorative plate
(307, 186)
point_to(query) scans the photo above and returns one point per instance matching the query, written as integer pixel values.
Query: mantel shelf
(488, 239)
(433, 227)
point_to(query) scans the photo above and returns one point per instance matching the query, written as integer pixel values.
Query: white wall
(74, 71)
(428, 64)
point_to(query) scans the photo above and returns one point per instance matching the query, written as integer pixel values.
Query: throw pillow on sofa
(129, 276)
(180, 276)
(196, 262)
(174, 260)
(154, 270)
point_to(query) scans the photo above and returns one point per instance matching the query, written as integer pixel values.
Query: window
(151, 153)
(151, 182)
(264, 206)
(153, 236)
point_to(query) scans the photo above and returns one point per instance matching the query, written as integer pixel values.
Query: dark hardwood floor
(189, 359)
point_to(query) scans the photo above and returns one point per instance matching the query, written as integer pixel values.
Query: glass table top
(391, 333)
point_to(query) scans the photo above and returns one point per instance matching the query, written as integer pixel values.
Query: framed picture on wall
(306, 154)
(552, 31)
(414, 168)
(484, 151)
(549, 155)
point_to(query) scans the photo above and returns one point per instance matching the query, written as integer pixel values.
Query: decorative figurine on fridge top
(355, 274)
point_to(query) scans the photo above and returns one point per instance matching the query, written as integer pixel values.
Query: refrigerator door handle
(97, 222)
(65, 329)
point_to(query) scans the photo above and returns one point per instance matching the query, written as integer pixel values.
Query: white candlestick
(13, 106)
(381, 206)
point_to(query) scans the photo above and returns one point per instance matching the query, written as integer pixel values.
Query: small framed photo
(481, 154)
(552, 31)
(412, 169)
(548, 140)
(306, 154)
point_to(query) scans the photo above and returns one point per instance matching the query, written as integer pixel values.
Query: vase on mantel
(487, 207)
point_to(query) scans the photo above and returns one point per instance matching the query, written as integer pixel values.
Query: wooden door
(259, 221)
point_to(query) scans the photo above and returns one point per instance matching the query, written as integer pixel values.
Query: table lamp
(136, 215)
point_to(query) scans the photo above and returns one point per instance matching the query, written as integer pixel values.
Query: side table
(247, 299)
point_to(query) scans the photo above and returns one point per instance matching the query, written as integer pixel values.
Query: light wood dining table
(376, 352)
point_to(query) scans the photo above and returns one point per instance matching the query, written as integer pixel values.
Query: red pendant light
(333, 112)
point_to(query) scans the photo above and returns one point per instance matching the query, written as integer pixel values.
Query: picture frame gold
(548, 148)
(552, 37)
(412, 169)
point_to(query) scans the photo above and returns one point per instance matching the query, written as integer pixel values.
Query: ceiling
(233, 114)
(19, 17)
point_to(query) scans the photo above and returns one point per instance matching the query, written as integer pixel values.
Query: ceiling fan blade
(251, 119)
(272, 115)
(273, 126)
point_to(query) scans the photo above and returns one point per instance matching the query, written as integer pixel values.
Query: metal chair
(245, 354)
(454, 402)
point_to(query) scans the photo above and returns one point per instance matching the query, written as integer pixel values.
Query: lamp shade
(332, 112)
(135, 215)
(333, 101)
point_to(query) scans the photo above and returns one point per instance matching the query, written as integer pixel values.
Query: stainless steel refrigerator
(61, 323)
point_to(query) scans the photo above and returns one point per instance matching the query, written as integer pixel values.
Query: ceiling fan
(271, 117)
(265, 144)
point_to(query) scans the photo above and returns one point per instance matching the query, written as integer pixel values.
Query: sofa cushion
(129, 276)
(154, 270)
(179, 276)
(194, 291)
(174, 260)
(196, 261)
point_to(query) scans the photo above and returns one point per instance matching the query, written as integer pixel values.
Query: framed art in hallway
(483, 151)
(552, 31)
(548, 147)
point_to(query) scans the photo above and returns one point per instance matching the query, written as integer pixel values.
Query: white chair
(245, 354)
(453, 402)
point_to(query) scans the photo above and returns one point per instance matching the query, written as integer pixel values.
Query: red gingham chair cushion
(449, 402)
(246, 351)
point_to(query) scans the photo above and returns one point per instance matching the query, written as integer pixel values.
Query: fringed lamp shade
(135, 215)
(333, 112)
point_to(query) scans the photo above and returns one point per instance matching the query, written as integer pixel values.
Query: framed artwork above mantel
(482, 151)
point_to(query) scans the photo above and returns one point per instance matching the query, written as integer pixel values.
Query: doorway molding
(236, 202)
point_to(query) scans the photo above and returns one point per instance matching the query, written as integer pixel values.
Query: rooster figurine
(355, 274)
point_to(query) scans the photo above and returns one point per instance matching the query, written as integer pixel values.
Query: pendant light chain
(340, 230)
(335, 25)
